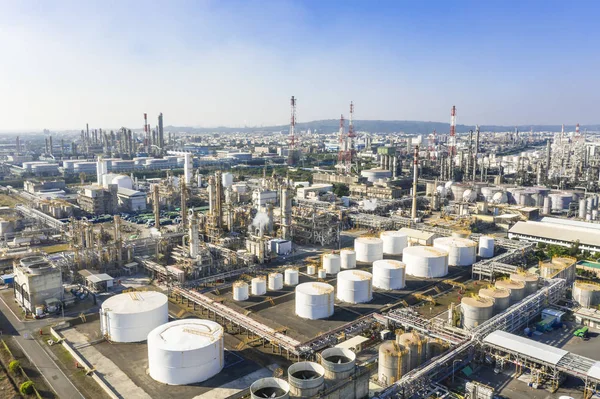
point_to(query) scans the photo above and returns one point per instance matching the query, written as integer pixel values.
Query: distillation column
(413, 214)
(194, 240)
(286, 213)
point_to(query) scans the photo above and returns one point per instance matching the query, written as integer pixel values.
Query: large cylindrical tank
(414, 348)
(306, 379)
(586, 294)
(391, 365)
(425, 261)
(547, 208)
(389, 274)
(530, 280)
(516, 289)
(314, 300)
(355, 286)
(434, 348)
(582, 207)
(348, 258)
(332, 263)
(475, 311)
(338, 363)
(259, 286)
(393, 242)
(368, 249)
(461, 251)
(227, 179)
(486, 247)
(240, 291)
(291, 277)
(185, 351)
(270, 387)
(129, 317)
(500, 296)
(275, 281)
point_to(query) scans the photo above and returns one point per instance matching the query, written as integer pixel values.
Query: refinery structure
(309, 264)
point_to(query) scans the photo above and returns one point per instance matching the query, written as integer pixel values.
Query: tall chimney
(413, 214)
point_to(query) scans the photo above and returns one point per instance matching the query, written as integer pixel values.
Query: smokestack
(161, 141)
(18, 145)
(156, 200)
(413, 214)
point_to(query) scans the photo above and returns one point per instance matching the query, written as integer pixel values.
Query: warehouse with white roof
(552, 233)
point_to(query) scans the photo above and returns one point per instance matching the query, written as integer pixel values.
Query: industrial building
(37, 283)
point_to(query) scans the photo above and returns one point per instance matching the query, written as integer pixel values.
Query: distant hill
(374, 126)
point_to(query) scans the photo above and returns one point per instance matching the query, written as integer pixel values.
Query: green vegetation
(13, 366)
(341, 190)
(26, 388)
(546, 251)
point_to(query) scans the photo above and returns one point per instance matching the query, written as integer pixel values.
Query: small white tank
(259, 286)
(322, 273)
(291, 277)
(389, 274)
(275, 281)
(332, 263)
(355, 286)
(310, 270)
(393, 242)
(240, 291)
(270, 387)
(475, 311)
(348, 257)
(461, 251)
(500, 296)
(486, 247)
(425, 262)
(314, 300)
(227, 179)
(368, 249)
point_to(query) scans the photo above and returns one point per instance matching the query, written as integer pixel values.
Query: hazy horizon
(229, 63)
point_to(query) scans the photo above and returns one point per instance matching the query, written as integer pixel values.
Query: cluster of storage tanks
(407, 352)
(309, 379)
(260, 284)
(179, 352)
(496, 299)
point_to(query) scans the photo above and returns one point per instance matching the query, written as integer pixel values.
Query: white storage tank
(348, 258)
(311, 269)
(500, 296)
(129, 317)
(275, 281)
(185, 351)
(586, 294)
(516, 289)
(314, 300)
(355, 286)
(475, 311)
(461, 251)
(368, 249)
(332, 263)
(291, 277)
(425, 261)
(322, 273)
(338, 363)
(413, 348)
(240, 291)
(393, 242)
(486, 247)
(389, 274)
(306, 379)
(272, 388)
(391, 367)
(227, 179)
(529, 279)
(259, 286)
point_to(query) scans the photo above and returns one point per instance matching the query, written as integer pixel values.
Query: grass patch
(52, 249)
(7, 200)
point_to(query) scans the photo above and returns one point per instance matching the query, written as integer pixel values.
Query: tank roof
(186, 335)
(509, 284)
(389, 264)
(135, 302)
(494, 292)
(455, 242)
(587, 286)
(529, 277)
(477, 302)
(314, 288)
(428, 252)
(393, 233)
(354, 275)
(369, 240)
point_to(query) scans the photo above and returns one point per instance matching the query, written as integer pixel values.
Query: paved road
(53, 375)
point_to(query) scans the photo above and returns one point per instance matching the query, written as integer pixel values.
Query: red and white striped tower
(292, 135)
(577, 129)
(452, 143)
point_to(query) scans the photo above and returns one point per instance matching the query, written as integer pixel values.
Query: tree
(341, 190)
(26, 388)
(14, 365)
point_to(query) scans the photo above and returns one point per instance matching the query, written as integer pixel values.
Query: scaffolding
(311, 225)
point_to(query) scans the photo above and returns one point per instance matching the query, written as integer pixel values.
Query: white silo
(311, 269)
(227, 179)
(425, 261)
(291, 277)
(391, 365)
(270, 387)
(332, 263)
(393, 242)
(240, 291)
(516, 289)
(339, 363)
(475, 311)
(348, 257)
(306, 379)
(486, 247)
(275, 281)
(355, 286)
(259, 286)
(368, 249)
(586, 294)
(413, 347)
(389, 274)
(314, 300)
(582, 208)
(461, 251)
(500, 296)
(185, 351)
(129, 317)
(529, 279)
(322, 273)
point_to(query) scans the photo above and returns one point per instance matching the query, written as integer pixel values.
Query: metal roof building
(525, 346)
(551, 233)
(570, 222)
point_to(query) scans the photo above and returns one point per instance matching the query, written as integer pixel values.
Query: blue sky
(209, 63)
